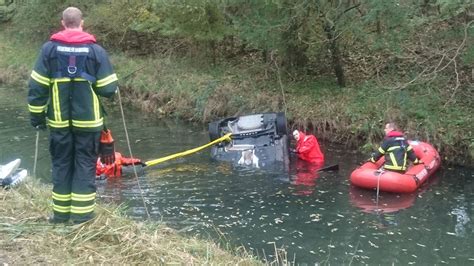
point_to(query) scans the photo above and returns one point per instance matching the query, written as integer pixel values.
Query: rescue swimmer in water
(311, 160)
(307, 148)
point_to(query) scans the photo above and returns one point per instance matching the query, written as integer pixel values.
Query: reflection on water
(316, 217)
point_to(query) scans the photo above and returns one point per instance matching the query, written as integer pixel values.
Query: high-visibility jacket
(115, 169)
(396, 150)
(308, 149)
(69, 75)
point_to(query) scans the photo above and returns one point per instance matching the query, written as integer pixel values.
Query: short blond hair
(392, 126)
(72, 17)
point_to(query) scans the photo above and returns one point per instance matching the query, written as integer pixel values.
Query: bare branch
(431, 73)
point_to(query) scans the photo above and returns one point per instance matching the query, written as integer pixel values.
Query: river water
(307, 219)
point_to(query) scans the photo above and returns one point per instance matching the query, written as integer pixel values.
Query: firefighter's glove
(107, 153)
(38, 121)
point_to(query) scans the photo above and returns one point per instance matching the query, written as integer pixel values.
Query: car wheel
(214, 131)
(281, 124)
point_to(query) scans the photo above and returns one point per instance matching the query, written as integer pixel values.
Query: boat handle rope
(226, 137)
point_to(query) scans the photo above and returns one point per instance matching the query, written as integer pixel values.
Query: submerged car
(258, 140)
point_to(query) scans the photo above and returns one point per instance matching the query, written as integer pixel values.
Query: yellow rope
(188, 152)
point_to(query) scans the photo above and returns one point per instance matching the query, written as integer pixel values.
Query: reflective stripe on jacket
(70, 97)
(396, 150)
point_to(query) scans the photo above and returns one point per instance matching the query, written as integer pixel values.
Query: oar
(333, 167)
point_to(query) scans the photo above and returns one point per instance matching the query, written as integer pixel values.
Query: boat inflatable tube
(370, 174)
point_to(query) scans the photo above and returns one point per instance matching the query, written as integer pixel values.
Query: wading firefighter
(307, 148)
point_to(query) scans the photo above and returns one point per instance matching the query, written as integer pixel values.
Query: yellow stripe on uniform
(60, 80)
(393, 160)
(391, 167)
(37, 109)
(40, 79)
(88, 124)
(96, 105)
(83, 197)
(67, 79)
(381, 150)
(62, 209)
(61, 197)
(393, 148)
(57, 124)
(106, 81)
(82, 210)
(56, 104)
(405, 160)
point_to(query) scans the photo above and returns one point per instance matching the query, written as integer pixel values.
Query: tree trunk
(335, 54)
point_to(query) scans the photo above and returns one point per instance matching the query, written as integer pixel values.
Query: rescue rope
(130, 151)
(378, 191)
(36, 152)
(188, 152)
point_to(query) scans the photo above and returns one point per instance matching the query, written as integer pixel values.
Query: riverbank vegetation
(26, 238)
(337, 68)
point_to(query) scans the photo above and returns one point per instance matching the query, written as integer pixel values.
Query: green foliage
(257, 23)
(390, 22)
(7, 9)
(38, 19)
(468, 54)
(452, 8)
(133, 16)
(199, 20)
(401, 58)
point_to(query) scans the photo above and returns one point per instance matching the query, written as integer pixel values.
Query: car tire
(214, 130)
(281, 127)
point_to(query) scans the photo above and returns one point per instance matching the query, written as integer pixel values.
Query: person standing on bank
(396, 150)
(69, 75)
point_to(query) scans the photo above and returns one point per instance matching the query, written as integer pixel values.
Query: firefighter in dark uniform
(396, 150)
(70, 74)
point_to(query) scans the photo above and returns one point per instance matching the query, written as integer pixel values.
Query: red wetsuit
(308, 149)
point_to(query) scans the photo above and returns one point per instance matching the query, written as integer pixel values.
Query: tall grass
(26, 238)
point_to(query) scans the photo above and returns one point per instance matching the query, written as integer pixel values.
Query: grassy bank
(195, 90)
(26, 238)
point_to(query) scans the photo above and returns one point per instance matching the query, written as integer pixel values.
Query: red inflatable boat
(368, 175)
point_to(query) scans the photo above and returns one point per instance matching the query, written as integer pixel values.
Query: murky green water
(318, 219)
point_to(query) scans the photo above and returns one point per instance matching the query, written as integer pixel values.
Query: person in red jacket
(307, 148)
(312, 159)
